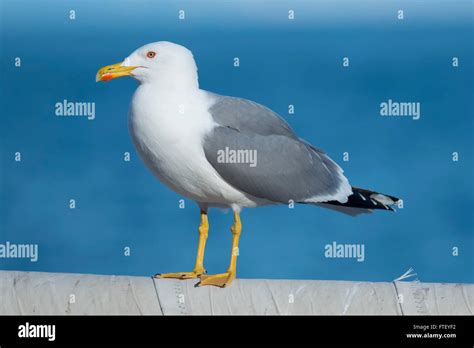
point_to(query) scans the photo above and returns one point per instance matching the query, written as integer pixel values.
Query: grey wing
(282, 169)
(247, 116)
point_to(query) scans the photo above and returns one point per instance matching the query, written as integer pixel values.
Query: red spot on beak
(106, 77)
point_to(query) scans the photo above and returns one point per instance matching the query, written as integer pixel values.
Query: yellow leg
(224, 279)
(199, 266)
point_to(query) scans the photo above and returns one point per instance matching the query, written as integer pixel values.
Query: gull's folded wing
(274, 167)
(248, 116)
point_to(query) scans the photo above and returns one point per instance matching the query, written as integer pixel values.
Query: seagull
(223, 151)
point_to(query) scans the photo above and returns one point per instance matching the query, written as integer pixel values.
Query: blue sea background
(120, 204)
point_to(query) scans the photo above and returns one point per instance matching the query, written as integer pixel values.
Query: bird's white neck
(174, 98)
(174, 81)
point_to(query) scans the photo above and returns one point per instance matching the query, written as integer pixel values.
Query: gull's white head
(162, 62)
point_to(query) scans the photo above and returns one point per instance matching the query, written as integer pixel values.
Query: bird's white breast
(167, 129)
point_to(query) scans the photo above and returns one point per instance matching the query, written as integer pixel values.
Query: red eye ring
(151, 54)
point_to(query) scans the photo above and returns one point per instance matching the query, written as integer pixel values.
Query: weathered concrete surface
(57, 293)
(63, 293)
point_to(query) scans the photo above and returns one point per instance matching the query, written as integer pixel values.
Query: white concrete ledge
(35, 293)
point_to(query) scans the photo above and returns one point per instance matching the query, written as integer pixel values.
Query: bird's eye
(151, 54)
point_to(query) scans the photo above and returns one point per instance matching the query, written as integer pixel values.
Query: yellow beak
(113, 71)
